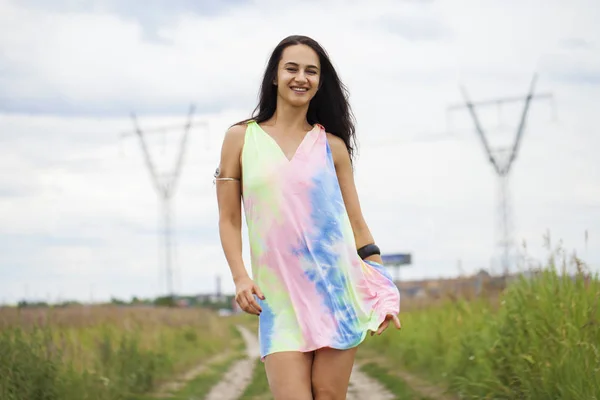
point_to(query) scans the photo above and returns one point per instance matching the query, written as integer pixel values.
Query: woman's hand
(245, 289)
(386, 323)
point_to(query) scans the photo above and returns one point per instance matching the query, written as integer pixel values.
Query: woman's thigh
(331, 373)
(289, 375)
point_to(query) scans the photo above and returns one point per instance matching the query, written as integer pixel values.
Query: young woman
(319, 285)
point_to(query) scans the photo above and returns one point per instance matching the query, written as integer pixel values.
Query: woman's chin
(298, 102)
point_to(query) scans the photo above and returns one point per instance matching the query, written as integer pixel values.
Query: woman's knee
(291, 392)
(331, 372)
(289, 395)
(322, 391)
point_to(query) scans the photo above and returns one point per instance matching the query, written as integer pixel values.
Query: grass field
(102, 352)
(259, 386)
(541, 340)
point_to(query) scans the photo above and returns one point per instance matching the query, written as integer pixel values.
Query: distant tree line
(211, 302)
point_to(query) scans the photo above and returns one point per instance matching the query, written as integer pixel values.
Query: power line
(502, 165)
(166, 184)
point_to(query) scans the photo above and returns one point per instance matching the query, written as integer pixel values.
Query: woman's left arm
(345, 174)
(362, 234)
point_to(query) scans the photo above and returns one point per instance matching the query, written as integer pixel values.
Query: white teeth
(300, 89)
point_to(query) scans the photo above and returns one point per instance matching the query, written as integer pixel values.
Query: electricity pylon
(502, 160)
(165, 184)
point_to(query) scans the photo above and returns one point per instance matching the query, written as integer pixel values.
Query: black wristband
(368, 250)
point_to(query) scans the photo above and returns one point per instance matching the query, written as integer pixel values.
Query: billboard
(396, 259)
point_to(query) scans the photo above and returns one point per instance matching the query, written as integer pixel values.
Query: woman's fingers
(247, 301)
(383, 326)
(258, 292)
(386, 322)
(243, 303)
(252, 303)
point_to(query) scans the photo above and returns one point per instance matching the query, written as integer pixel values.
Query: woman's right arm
(229, 195)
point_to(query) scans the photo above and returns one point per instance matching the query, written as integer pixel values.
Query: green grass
(198, 387)
(104, 353)
(393, 383)
(259, 386)
(541, 342)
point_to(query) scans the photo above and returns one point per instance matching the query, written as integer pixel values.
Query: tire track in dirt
(170, 387)
(363, 386)
(414, 382)
(235, 380)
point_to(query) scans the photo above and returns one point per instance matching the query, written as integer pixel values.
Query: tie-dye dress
(318, 292)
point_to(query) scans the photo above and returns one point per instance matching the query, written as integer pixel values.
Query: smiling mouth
(299, 89)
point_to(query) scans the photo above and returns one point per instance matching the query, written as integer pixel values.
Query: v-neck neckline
(289, 160)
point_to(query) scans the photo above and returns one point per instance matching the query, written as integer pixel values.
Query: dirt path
(239, 375)
(170, 387)
(418, 385)
(363, 386)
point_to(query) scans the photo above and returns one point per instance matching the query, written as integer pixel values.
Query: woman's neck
(289, 118)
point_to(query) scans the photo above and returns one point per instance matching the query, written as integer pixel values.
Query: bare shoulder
(338, 147)
(234, 136)
(335, 141)
(231, 150)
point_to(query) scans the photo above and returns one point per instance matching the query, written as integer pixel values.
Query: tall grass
(101, 353)
(541, 340)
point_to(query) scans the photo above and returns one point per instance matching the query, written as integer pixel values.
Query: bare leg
(288, 374)
(331, 373)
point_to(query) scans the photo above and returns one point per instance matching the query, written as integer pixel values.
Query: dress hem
(318, 347)
(315, 348)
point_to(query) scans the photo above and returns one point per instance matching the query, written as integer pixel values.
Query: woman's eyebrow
(296, 64)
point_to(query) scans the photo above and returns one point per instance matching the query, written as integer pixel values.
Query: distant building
(182, 302)
(441, 286)
(473, 284)
(211, 298)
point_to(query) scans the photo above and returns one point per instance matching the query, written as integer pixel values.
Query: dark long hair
(329, 107)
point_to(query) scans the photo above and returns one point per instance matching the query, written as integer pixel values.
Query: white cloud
(78, 215)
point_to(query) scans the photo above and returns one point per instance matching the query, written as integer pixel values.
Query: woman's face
(298, 75)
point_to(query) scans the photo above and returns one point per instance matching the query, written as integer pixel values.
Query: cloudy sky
(79, 217)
